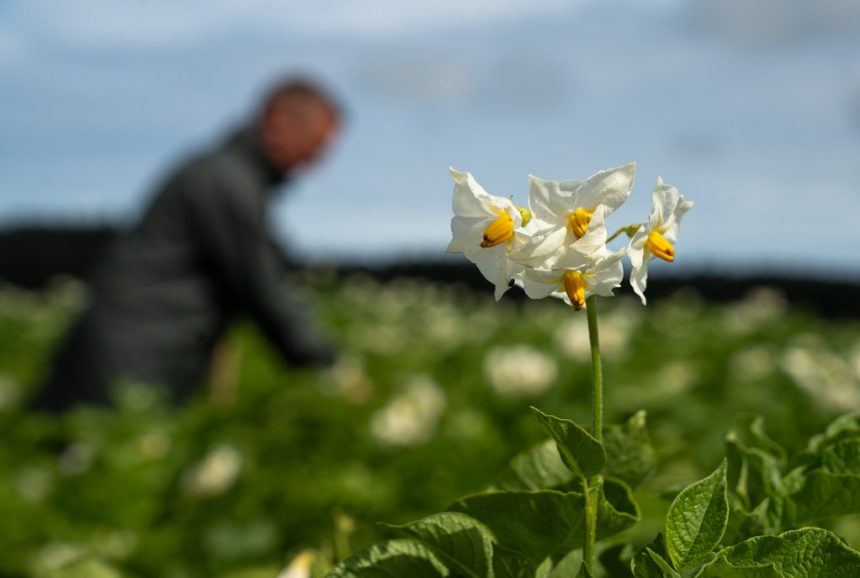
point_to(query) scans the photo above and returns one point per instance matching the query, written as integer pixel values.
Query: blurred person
(167, 290)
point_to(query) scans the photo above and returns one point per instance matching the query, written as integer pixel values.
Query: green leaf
(755, 477)
(824, 495)
(697, 519)
(745, 524)
(616, 498)
(842, 457)
(663, 566)
(650, 561)
(848, 423)
(548, 523)
(460, 541)
(537, 468)
(539, 523)
(579, 451)
(803, 553)
(843, 427)
(755, 474)
(630, 456)
(508, 564)
(392, 558)
(751, 431)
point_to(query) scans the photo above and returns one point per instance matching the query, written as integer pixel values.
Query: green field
(428, 403)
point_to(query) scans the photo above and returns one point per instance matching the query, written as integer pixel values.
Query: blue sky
(752, 109)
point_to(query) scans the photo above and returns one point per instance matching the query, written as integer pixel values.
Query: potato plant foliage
(238, 482)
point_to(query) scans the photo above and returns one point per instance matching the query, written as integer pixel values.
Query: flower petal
(595, 237)
(605, 274)
(494, 265)
(664, 200)
(469, 196)
(540, 284)
(466, 233)
(610, 188)
(551, 200)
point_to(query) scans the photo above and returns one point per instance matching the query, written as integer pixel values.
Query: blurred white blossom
(411, 417)
(215, 474)
(759, 307)
(826, 377)
(854, 360)
(752, 363)
(10, 392)
(347, 379)
(114, 543)
(154, 445)
(616, 329)
(444, 325)
(55, 555)
(300, 566)
(34, 484)
(76, 459)
(675, 377)
(519, 371)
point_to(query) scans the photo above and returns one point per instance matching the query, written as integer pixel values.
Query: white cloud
(150, 25)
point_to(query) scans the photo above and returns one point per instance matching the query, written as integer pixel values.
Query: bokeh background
(752, 109)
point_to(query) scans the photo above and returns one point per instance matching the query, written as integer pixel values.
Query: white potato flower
(489, 231)
(656, 237)
(567, 210)
(576, 278)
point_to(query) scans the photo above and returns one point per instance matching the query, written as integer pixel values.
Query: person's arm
(230, 225)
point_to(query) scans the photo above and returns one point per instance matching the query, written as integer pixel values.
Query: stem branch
(629, 230)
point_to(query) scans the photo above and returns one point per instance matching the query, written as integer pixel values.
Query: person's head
(297, 122)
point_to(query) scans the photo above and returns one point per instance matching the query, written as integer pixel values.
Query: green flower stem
(591, 488)
(591, 491)
(596, 370)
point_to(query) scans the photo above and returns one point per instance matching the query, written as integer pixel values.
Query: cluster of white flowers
(557, 245)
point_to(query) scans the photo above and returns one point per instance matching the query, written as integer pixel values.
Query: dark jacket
(167, 290)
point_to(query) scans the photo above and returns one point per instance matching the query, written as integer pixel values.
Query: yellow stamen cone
(499, 231)
(660, 247)
(574, 286)
(578, 222)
